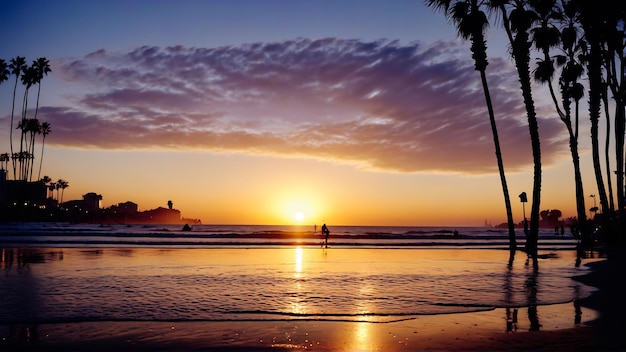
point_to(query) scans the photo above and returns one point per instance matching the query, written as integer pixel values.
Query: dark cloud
(379, 104)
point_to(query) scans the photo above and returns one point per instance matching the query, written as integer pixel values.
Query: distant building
(161, 215)
(125, 208)
(92, 201)
(21, 192)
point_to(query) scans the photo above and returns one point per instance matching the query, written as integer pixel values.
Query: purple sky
(384, 86)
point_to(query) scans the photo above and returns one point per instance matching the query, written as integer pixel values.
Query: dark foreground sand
(603, 328)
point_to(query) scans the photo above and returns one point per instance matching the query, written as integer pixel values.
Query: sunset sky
(353, 112)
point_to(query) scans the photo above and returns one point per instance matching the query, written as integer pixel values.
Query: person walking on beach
(325, 232)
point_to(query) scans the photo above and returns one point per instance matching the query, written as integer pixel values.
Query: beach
(451, 332)
(298, 297)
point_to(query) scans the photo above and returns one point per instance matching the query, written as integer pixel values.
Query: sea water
(77, 273)
(202, 236)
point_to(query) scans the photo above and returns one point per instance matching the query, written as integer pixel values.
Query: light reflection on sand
(298, 268)
(362, 339)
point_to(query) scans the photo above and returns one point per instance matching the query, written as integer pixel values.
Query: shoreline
(451, 332)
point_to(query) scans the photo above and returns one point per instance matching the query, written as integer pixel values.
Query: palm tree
(607, 145)
(545, 37)
(16, 66)
(45, 180)
(34, 128)
(4, 75)
(607, 26)
(517, 20)
(42, 67)
(51, 187)
(4, 71)
(471, 23)
(61, 184)
(45, 130)
(4, 158)
(28, 77)
(592, 23)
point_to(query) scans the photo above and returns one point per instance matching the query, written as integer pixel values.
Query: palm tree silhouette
(45, 130)
(594, 73)
(4, 75)
(62, 185)
(34, 128)
(16, 66)
(51, 187)
(28, 78)
(604, 33)
(518, 18)
(42, 67)
(545, 37)
(4, 158)
(471, 23)
(4, 71)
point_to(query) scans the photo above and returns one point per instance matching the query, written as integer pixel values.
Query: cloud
(380, 105)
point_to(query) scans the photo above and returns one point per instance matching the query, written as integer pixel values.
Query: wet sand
(600, 328)
(449, 332)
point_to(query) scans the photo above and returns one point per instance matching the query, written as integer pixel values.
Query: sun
(299, 216)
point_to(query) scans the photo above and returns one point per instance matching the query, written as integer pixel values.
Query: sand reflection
(297, 305)
(298, 268)
(362, 340)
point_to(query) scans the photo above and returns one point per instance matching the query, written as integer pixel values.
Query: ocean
(60, 273)
(81, 235)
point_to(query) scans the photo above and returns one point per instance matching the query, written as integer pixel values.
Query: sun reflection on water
(298, 269)
(296, 305)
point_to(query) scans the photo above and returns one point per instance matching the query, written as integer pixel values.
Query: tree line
(23, 158)
(575, 41)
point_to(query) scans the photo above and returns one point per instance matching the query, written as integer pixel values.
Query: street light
(524, 199)
(595, 206)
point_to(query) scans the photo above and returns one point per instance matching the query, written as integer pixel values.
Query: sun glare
(299, 216)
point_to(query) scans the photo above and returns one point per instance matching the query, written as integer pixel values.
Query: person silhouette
(326, 232)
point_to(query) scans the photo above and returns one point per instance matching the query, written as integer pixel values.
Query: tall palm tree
(45, 130)
(34, 128)
(547, 36)
(62, 185)
(592, 22)
(16, 66)
(27, 77)
(51, 187)
(471, 23)
(607, 145)
(4, 75)
(518, 19)
(4, 71)
(42, 68)
(608, 26)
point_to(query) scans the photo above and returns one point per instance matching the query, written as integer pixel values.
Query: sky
(351, 112)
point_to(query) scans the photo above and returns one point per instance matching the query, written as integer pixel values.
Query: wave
(63, 234)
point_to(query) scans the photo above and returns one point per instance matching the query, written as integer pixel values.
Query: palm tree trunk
(521, 55)
(12, 127)
(43, 143)
(594, 71)
(32, 161)
(607, 143)
(620, 127)
(23, 132)
(520, 49)
(505, 188)
(581, 211)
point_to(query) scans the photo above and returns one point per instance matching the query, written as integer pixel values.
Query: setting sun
(299, 216)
